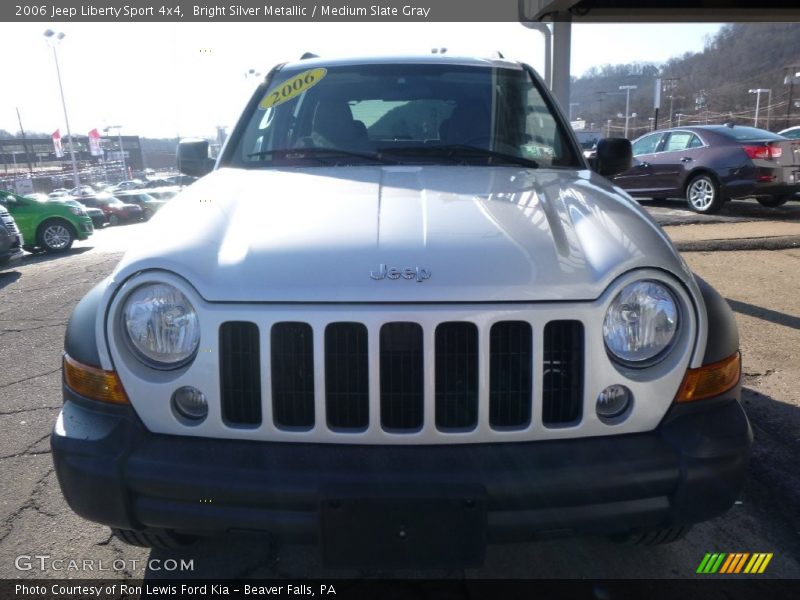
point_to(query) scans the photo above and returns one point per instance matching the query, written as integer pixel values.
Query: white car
(793, 133)
(403, 318)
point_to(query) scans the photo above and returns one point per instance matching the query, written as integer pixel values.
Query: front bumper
(691, 468)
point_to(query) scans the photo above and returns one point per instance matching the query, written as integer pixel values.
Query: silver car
(404, 317)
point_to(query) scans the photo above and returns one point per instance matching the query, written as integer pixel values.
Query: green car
(49, 226)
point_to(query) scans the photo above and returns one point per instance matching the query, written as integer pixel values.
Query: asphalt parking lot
(37, 295)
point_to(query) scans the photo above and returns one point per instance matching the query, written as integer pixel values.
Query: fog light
(613, 402)
(190, 403)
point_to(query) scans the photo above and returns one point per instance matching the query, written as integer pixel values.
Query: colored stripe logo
(734, 563)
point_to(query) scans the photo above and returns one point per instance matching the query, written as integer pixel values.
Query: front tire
(703, 195)
(773, 201)
(56, 236)
(162, 539)
(113, 220)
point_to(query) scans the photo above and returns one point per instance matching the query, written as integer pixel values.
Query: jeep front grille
(439, 375)
(510, 374)
(239, 370)
(346, 376)
(562, 381)
(402, 365)
(456, 356)
(292, 350)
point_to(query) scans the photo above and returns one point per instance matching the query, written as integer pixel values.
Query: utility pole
(792, 77)
(627, 89)
(25, 143)
(757, 92)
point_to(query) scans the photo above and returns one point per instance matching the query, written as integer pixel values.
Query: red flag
(94, 143)
(57, 143)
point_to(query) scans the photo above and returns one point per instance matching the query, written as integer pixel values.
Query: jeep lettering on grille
(385, 272)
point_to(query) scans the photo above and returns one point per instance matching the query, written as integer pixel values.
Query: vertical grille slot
(401, 376)
(346, 376)
(292, 348)
(510, 374)
(562, 385)
(456, 376)
(239, 369)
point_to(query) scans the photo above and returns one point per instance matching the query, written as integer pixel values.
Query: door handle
(686, 159)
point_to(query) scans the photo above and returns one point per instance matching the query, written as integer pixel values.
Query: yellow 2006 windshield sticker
(292, 87)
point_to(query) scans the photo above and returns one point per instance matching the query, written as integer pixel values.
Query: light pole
(757, 92)
(627, 89)
(53, 39)
(571, 104)
(679, 115)
(608, 128)
(121, 150)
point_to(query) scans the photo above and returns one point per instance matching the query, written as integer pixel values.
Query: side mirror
(193, 157)
(614, 155)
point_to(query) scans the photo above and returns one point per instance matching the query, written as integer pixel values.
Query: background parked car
(115, 211)
(95, 214)
(710, 164)
(51, 226)
(39, 197)
(10, 238)
(148, 203)
(130, 184)
(793, 133)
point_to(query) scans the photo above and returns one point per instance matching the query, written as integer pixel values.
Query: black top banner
(400, 10)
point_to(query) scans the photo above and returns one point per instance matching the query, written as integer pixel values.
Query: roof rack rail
(309, 55)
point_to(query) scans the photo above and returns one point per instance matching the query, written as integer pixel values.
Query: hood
(401, 234)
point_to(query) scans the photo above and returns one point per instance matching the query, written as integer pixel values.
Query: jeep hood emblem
(384, 272)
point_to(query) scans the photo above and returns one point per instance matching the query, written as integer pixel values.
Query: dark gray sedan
(710, 164)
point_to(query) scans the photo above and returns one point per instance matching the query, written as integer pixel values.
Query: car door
(679, 155)
(638, 179)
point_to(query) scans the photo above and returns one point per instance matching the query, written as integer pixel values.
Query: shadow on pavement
(8, 277)
(675, 212)
(42, 257)
(759, 312)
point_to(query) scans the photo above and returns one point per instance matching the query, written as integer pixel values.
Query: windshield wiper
(320, 154)
(459, 151)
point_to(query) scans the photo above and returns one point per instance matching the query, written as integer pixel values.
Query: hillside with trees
(711, 86)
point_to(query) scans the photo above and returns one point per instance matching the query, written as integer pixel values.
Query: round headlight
(161, 325)
(641, 323)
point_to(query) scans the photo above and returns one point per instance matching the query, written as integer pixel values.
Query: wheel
(163, 539)
(147, 214)
(113, 220)
(55, 235)
(656, 537)
(703, 195)
(773, 201)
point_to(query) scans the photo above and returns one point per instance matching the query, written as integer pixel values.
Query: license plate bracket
(444, 528)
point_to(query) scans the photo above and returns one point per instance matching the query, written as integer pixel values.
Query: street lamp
(627, 89)
(53, 39)
(758, 92)
(121, 150)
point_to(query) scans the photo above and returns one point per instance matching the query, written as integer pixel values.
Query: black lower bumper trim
(689, 469)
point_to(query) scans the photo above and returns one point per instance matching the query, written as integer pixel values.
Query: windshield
(404, 113)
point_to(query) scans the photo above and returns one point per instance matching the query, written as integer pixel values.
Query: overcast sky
(183, 79)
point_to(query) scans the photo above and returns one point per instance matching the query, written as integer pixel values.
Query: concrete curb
(725, 245)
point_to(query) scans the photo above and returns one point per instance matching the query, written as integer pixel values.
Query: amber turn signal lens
(710, 380)
(93, 383)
